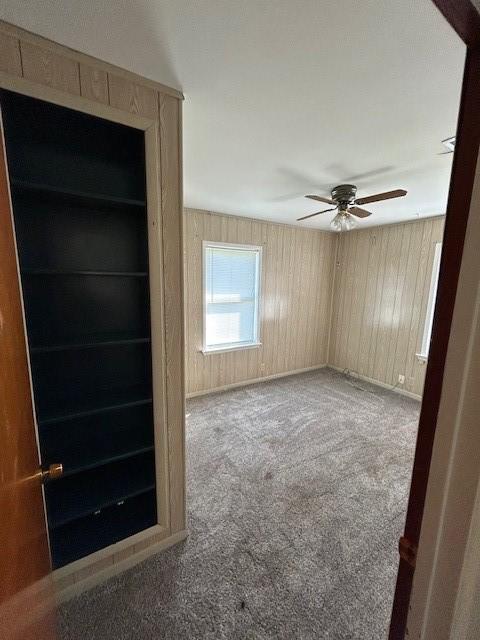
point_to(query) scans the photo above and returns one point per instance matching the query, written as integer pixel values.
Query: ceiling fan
(343, 197)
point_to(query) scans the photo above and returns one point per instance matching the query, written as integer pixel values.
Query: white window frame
(234, 346)
(432, 296)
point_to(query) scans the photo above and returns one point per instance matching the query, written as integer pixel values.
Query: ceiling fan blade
(397, 193)
(310, 215)
(321, 199)
(360, 213)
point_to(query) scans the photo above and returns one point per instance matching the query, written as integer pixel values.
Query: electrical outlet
(401, 379)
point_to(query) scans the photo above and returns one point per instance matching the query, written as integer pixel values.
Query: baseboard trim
(247, 383)
(75, 589)
(377, 383)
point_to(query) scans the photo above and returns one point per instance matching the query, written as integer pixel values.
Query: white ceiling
(287, 97)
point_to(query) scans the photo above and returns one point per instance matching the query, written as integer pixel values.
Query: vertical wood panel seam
(21, 56)
(109, 102)
(374, 300)
(401, 301)
(407, 355)
(380, 300)
(392, 316)
(399, 331)
(77, 64)
(362, 320)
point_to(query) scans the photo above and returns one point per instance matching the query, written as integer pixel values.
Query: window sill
(421, 357)
(242, 347)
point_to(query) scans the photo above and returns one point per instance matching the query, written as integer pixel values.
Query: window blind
(231, 296)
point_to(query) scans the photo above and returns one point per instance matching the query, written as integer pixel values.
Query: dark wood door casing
(465, 19)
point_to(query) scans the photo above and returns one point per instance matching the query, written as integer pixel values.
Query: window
(427, 331)
(231, 281)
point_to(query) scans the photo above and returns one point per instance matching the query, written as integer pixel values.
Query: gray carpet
(297, 491)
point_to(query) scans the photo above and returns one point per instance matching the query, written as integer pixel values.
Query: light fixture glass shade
(342, 222)
(350, 222)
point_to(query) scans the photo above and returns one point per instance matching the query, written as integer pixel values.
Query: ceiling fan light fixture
(343, 222)
(344, 199)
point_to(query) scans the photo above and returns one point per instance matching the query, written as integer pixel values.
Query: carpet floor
(297, 492)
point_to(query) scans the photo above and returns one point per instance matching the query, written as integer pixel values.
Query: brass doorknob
(54, 471)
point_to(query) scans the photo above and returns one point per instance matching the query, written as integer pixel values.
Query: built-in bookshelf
(79, 204)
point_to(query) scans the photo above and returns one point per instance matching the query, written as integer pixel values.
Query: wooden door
(26, 599)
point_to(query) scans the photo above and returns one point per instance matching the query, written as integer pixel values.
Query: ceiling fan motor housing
(344, 193)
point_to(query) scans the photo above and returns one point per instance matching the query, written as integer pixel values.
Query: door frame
(464, 18)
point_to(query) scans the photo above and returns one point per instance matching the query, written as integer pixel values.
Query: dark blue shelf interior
(79, 204)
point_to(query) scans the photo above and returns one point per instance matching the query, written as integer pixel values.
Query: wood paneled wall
(297, 269)
(382, 280)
